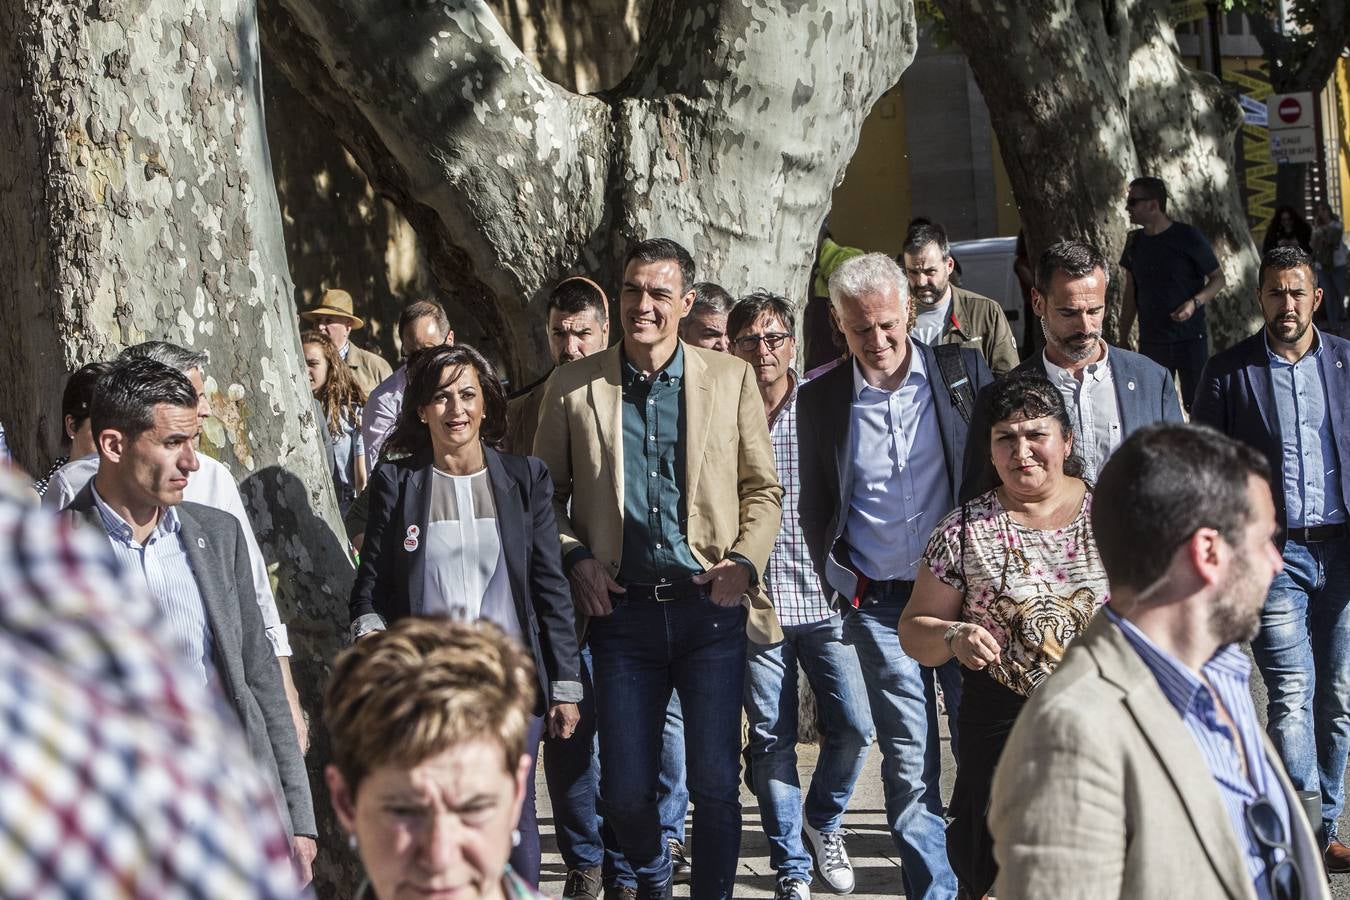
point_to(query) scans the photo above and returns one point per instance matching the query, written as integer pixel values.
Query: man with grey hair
(880, 466)
(210, 485)
(706, 324)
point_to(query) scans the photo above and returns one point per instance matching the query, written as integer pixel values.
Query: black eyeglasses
(773, 340)
(1283, 879)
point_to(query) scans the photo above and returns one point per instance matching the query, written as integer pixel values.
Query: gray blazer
(249, 674)
(1101, 792)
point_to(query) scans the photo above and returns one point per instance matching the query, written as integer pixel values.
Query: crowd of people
(621, 564)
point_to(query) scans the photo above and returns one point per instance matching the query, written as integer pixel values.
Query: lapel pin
(1130, 385)
(410, 542)
(201, 542)
(414, 531)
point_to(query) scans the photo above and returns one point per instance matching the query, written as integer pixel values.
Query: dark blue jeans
(1303, 652)
(906, 725)
(572, 771)
(641, 652)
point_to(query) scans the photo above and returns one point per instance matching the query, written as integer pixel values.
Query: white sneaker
(831, 859)
(791, 889)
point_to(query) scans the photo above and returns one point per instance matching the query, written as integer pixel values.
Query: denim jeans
(641, 652)
(771, 706)
(948, 677)
(525, 854)
(900, 712)
(572, 771)
(1303, 652)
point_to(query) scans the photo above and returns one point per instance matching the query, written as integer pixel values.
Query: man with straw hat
(333, 316)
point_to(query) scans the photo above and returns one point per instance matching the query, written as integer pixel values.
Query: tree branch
(485, 156)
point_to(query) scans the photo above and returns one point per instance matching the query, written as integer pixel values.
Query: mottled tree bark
(1183, 124)
(1054, 74)
(136, 202)
(734, 125)
(1088, 94)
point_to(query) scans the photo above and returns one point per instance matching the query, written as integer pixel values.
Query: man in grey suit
(1139, 769)
(1109, 392)
(194, 562)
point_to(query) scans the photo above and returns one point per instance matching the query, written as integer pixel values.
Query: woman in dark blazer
(461, 530)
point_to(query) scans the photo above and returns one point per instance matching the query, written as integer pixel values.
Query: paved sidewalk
(869, 841)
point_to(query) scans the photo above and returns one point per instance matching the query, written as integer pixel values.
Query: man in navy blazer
(1283, 391)
(880, 455)
(1110, 393)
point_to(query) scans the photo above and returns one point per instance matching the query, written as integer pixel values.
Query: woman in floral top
(1007, 581)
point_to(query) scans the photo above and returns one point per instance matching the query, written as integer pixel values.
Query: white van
(987, 268)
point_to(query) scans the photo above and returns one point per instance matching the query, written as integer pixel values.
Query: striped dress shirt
(161, 565)
(1227, 672)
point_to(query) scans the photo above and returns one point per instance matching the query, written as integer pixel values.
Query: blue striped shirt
(162, 565)
(1227, 673)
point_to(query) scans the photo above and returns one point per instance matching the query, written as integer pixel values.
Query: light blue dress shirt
(1227, 672)
(901, 487)
(1312, 480)
(161, 564)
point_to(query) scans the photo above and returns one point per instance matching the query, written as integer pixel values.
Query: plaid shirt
(120, 775)
(790, 578)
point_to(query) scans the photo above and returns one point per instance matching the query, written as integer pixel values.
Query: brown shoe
(1336, 858)
(582, 884)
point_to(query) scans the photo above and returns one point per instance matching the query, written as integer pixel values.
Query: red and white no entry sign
(1290, 110)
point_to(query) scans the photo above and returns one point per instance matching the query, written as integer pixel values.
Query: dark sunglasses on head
(1283, 879)
(773, 340)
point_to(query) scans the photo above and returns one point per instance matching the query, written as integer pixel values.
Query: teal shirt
(655, 545)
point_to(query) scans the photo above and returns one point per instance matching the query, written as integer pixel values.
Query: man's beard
(1077, 353)
(929, 297)
(1236, 614)
(1301, 327)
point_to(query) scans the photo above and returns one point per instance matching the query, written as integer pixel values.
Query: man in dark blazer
(880, 465)
(1110, 393)
(194, 562)
(1283, 391)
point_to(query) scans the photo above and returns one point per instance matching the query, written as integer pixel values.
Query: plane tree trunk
(136, 202)
(729, 134)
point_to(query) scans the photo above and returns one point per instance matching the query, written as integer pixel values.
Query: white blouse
(466, 575)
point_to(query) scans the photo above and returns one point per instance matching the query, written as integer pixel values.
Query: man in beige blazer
(1139, 769)
(668, 505)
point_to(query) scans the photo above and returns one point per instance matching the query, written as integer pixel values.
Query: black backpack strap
(953, 370)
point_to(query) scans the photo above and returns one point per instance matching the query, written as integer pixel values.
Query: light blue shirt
(901, 487)
(1312, 479)
(161, 564)
(1227, 673)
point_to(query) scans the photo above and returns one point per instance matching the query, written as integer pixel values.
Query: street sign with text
(1293, 137)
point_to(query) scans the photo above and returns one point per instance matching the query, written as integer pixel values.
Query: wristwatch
(951, 633)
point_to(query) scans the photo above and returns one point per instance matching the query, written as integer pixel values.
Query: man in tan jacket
(668, 505)
(1139, 768)
(948, 314)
